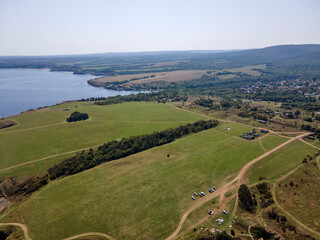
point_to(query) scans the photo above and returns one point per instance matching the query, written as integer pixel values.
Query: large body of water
(24, 89)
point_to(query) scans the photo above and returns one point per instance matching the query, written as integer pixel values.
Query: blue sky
(39, 27)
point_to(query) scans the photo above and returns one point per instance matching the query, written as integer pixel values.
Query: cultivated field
(142, 196)
(176, 76)
(45, 135)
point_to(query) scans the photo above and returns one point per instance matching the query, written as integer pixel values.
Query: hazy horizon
(34, 28)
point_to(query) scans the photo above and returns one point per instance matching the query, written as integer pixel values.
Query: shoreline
(49, 70)
(18, 108)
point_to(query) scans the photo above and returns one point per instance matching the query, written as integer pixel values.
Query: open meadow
(45, 135)
(285, 159)
(141, 196)
(291, 195)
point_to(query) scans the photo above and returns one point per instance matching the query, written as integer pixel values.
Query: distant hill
(142, 62)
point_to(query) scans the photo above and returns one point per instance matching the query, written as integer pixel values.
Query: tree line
(127, 146)
(161, 96)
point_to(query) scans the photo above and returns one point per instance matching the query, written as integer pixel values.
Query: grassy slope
(280, 162)
(294, 200)
(142, 195)
(105, 123)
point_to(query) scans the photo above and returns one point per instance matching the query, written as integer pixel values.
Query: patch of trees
(308, 119)
(214, 236)
(127, 146)
(246, 200)
(309, 158)
(77, 116)
(307, 127)
(259, 232)
(91, 99)
(161, 96)
(204, 102)
(14, 187)
(282, 221)
(265, 195)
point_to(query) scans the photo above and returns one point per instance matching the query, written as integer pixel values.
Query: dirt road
(90, 234)
(22, 226)
(288, 214)
(45, 158)
(229, 186)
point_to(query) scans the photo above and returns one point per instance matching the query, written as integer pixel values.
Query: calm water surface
(24, 89)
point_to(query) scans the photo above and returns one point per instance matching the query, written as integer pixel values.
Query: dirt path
(45, 158)
(90, 234)
(33, 128)
(22, 226)
(249, 231)
(61, 123)
(288, 214)
(26, 234)
(261, 145)
(229, 186)
(301, 139)
(243, 124)
(318, 159)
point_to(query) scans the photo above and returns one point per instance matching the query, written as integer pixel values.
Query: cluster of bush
(204, 102)
(127, 146)
(266, 196)
(77, 116)
(259, 232)
(14, 187)
(281, 220)
(247, 201)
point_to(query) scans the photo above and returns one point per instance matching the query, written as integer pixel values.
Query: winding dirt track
(45, 158)
(90, 234)
(230, 185)
(226, 187)
(33, 128)
(22, 226)
(288, 214)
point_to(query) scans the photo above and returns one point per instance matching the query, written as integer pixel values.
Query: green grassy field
(280, 162)
(270, 141)
(142, 196)
(45, 133)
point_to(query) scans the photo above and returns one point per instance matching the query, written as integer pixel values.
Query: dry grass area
(299, 194)
(176, 76)
(248, 69)
(163, 64)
